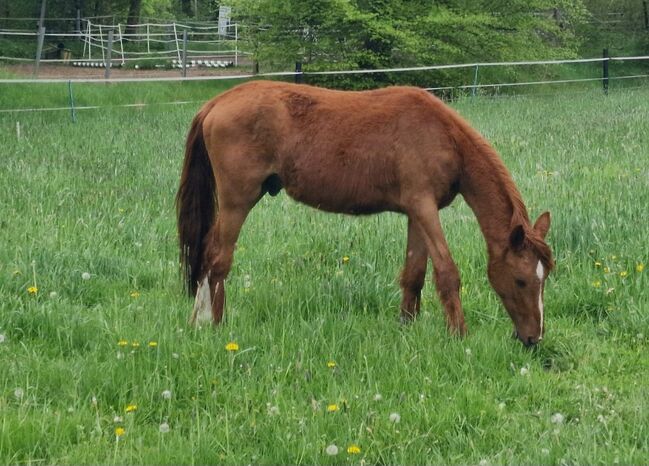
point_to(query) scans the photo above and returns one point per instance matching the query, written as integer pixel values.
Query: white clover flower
(19, 393)
(395, 418)
(557, 418)
(331, 450)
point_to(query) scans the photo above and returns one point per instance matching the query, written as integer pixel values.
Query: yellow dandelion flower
(345, 259)
(597, 283)
(332, 408)
(131, 408)
(639, 268)
(122, 342)
(607, 270)
(598, 264)
(153, 344)
(135, 344)
(353, 449)
(135, 294)
(120, 210)
(331, 364)
(232, 346)
(119, 431)
(32, 290)
(624, 273)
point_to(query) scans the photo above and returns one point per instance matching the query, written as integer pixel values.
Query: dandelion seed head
(331, 450)
(117, 419)
(164, 428)
(53, 295)
(557, 418)
(85, 276)
(19, 393)
(166, 394)
(273, 410)
(378, 397)
(395, 418)
(524, 371)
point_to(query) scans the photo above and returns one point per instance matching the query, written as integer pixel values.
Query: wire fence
(603, 79)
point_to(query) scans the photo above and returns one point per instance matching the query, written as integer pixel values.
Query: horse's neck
(489, 190)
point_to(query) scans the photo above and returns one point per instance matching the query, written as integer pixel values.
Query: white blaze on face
(540, 272)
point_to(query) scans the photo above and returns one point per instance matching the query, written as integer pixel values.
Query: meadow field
(98, 364)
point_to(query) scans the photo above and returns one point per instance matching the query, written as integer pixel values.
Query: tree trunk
(133, 16)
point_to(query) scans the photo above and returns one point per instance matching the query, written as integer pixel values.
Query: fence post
(184, 73)
(39, 49)
(77, 22)
(646, 14)
(605, 71)
(109, 54)
(475, 81)
(299, 77)
(236, 44)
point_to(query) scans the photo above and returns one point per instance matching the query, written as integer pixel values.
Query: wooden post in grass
(605, 71)
(39, 49)
(299, 77)
(184, 73)
(109, 53)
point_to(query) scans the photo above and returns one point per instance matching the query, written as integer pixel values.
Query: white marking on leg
(203, 305)
(540, 272)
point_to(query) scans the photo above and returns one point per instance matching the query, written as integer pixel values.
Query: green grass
(96, 197)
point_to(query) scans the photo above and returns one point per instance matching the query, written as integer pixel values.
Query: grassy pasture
(100, 344)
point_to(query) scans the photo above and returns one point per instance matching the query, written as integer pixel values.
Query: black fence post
(299, 77)
(605, 71)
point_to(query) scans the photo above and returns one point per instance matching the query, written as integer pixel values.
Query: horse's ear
(517, 237)
(542, 224)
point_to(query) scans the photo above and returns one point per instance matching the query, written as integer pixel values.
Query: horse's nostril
(531, 341)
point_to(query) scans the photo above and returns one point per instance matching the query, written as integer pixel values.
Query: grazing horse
(396, 149)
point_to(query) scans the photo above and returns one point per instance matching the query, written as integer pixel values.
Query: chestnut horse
(396, 149)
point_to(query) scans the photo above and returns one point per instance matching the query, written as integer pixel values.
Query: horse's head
(518, 276)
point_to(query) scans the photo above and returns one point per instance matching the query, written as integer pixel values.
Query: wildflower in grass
(153, 344)
(353, 449)
(545, 451)
(232, 346)
(3, 338)
(272, 410)
(468, 351)
(120, 355)
(246, 282)
(164, 428)
(135, 294)
(93, 401)
(53, 295)
(32, 290)
(332, 408)
(525, 371)
(624, 273)
(85, 276)
(131, 408)
(331, 364)
(122, 342)
(557, 418)
(598, 264)
(175, 355)
(135, 344)
(597, 283)
(119, 431)
(395, 418)
(639, 267)
(345, 259)
(378, 397)
(117, 419)
(607, 270)
(19, 393)
(166, 394)
(331, 450)
(17, 272)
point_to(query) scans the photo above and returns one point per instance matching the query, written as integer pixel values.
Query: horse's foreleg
(219, 251)
(447, 276)
(414, 272)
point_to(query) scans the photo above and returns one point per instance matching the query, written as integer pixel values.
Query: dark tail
(196, 204)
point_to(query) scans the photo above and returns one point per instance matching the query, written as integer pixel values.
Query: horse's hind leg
(414, 272)
(219, 250)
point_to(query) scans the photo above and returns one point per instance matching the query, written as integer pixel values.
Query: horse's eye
(520, 283)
